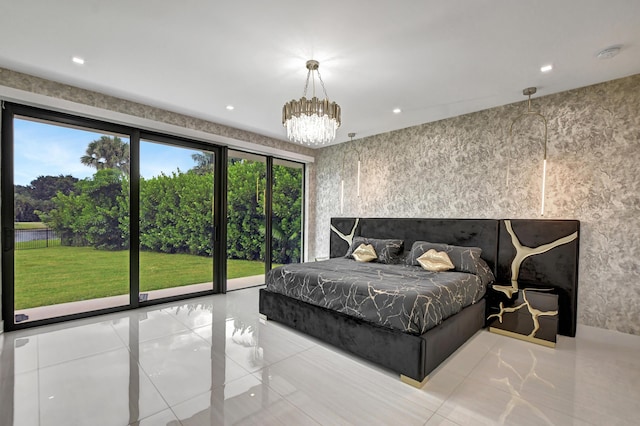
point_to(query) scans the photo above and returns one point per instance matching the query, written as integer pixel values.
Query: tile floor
(211, 361)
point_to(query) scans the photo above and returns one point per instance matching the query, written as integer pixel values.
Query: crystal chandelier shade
(311, 121)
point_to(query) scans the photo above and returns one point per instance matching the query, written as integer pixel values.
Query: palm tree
(107, 153)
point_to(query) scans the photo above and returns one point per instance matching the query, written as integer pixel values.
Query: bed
(375, 319)
(412, 354)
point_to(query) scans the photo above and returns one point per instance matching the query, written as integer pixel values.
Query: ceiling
(433, 59)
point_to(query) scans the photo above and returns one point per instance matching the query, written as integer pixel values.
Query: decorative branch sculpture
(522, 252)
(347, 237)
(535, 313)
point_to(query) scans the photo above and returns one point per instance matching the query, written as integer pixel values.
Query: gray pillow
(388, 250)
(465, 259)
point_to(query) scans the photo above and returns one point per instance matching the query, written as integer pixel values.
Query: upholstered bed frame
(412, 356)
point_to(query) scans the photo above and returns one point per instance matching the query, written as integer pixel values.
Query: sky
(42, 149)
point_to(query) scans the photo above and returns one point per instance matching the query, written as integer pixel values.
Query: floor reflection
(240, 400)
(515, 389)
(211, 360)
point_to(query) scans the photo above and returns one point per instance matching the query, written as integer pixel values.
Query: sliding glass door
(286, 212)
(78, 194)
(176, 220)
(70, 219)
(246, 219)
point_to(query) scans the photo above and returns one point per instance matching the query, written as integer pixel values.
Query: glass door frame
(219, 214)
(270, 161)
(7, 214)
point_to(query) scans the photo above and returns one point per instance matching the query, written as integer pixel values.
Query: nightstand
(531, 315)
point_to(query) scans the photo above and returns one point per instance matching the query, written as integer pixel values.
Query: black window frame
(12, 109)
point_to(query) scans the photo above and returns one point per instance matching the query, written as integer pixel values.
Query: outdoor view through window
(72, 219)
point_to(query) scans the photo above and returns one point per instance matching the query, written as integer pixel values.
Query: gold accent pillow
(435, 261)
(364, 253)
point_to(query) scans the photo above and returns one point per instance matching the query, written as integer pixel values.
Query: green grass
(30, 225)
(61, 274)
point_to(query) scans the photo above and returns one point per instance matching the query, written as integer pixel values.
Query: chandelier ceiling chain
(313, 67)
(311, 121)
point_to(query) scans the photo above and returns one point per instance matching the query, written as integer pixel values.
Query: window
(88, 191)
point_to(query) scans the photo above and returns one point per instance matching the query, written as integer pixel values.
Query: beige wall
(457, 168)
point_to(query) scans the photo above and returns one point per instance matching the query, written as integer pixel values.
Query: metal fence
(36, 238)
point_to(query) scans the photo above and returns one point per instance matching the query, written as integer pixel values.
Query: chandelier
(311, 121)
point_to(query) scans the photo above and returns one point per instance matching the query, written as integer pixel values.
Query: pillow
(364, 253)
(464, 259)
(388, 250)
(435, 261)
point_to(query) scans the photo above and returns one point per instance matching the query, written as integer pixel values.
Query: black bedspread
(405, 298)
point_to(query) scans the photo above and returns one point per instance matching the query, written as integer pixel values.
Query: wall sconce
(528, 92)
(351, 135)
(344, 157)
(342, 186)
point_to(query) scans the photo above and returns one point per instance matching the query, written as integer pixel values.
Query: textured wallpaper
(469, 167)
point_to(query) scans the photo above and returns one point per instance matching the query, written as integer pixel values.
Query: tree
(108, 153)
(24, 208)
(36, 197)
(176, 213)
(245, 210)
(95, 213)
(204, 163)
(46, 187)
(287, 214)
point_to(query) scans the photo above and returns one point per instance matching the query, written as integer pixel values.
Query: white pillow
(435, 261)
(364, 253)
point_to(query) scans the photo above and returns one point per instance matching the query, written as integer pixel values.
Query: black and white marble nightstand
(531, 315)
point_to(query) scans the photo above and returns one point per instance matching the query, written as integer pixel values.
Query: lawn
(55, 275)
(30, 225)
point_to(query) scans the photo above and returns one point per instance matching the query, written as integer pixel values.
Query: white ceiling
(431, 58)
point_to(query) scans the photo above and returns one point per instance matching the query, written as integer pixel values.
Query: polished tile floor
(211, 361)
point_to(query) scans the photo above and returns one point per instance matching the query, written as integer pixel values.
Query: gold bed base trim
(413, 382)
(523, 337)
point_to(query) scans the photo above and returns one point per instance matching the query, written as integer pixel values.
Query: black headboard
(556, 268)
(481, 233)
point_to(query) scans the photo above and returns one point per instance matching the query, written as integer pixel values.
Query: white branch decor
(522, 252)
(347, 237)
(535, 313)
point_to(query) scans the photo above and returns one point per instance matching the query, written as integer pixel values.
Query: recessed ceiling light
(609, 52)
(546, 68)
(397, 110)
(230, 107)
(78, 60)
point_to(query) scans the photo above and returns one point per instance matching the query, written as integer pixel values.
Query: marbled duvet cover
(405, 298)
